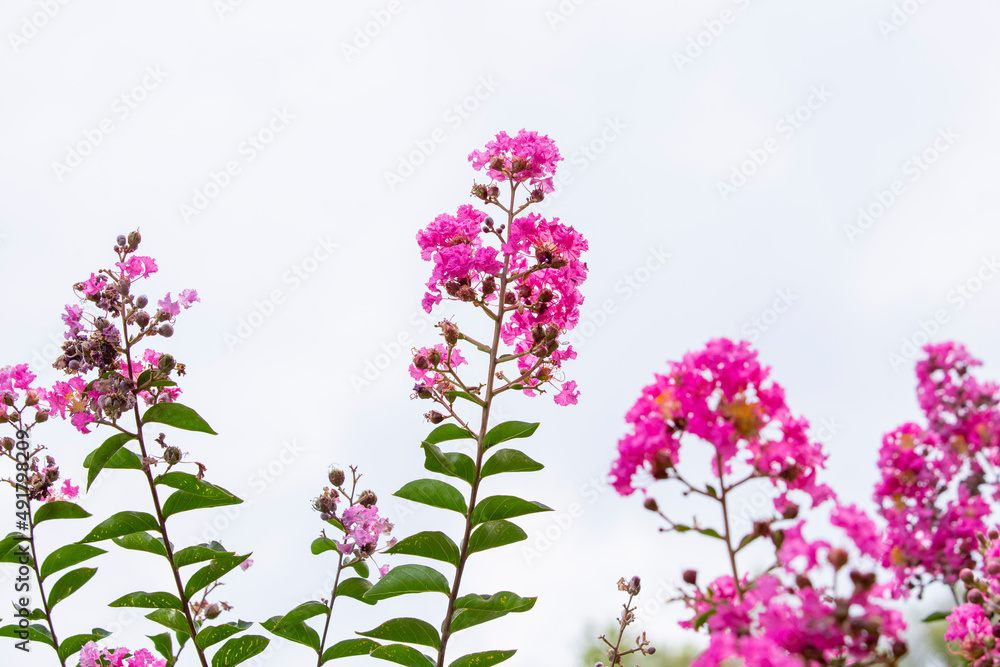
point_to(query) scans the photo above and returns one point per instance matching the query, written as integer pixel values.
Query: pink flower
(860, 528)
(72, 320)
(137, 267)
(568, 395)
(382, 571)
(245, 565)
(80, 421)
(171, 308)
(94, 284)
(188, 297)
(533, 154)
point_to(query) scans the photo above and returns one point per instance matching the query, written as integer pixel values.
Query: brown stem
(41, 586)
(725, 519)
(333, 597)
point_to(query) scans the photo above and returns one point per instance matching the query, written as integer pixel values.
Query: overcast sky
(815, 177)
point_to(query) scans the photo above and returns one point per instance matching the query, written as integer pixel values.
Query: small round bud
(42, 416)
(101, 324)
(538, 333)
(545, 295)
(510, 298)
(434, 357)
(3, 417)
(790, 512)
(993, 567)
(967, 576)
(165, 330)
(133, 239)
(489, 285)
(524, 291)
(31, 398)
(172, 455)
(8, 400)
(121, 240)
(434, 417)
(212, 611)
(838, 558)
(123, 286)
(337, 476)
(142, 319)
(536, 195)
(422, 391)
(690, 577)
(651, 650)
(899, 649)
(975, 596)
(994, 534)
(651, 505)
(141, 301)
(367, 499)
(166, 362)
(634, 586)
(7, 444)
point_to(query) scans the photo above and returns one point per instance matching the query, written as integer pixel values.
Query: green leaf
(356, 588)
(187, 482)
(60, 509)
(508, 431)
(303, 612)
(361, 567)
(149, 600)
(164, 646)
(408, 630)
(296, 632)
(461, 394)
(446, 432)
(36, 633)
(349, 647)
(69, 583)
(216, 633)
(219, 566)
(170, 618)
(747, 539)
(429, 544)
(936, 616)
(510, 460)
(475, 609)
(238, 649)
(100, 456)
(322, 544)
(710, 532)
(71, 554)
(701, 620)
(15, 554)
(402, 655)
(494, 534)
(9, 543)
(484, 659)
(206, 496)
(71, 645)
(178, 416)
(197, 554)
(123, 523)
(123, 459)
(434, 493)
(406, 579)
(453, 464)
(496, 508)
(142, 542)
(711, 491)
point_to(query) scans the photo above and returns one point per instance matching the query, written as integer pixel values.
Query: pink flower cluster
(92, 655)
(363, 527)
(929, 488)
(721, 395)
(973, 627)
(533, 269)
(529, 156)
(793, 616)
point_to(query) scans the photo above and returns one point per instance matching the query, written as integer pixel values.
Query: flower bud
(778, 537)
(762, 528)
(450, 332)
(496, 164)
(488, 222)
(142, 319)
(838, 558)
(634, 586)
(121, 240)
(212, 611)
(545, 295)
(489, 285)
(434, 357)
(420, 361)
(123, 286)
(101, 324)
(165, 330)
(3, 417)
(994, 534)
(802, 581)
(7, 443)
(367, 499)
(466, 294)
(479, 191)
(899, 649)
(133, 239)
(524, 291)
(975, 596)
(790, 512)
(165, 363)
(8, 400)
(651, 505)
(551, 332)
(993, 567)
(42, 416)
(538, 333)
(493, 192)
(337, 476)
(690, 577)
(31, 398)
(510, 298)
(141, 301)
(172, 455)
(536, 195)
(967, 576)
(422, 391)
(434, 417)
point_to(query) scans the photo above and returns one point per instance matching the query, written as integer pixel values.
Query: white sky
(880, 97)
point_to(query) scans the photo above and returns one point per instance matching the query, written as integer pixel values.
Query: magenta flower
(530, 156)
(137, 266)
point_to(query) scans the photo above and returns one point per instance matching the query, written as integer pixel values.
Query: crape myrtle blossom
(529, 273)
(92, 655)
(95, 342)
(932, 490)
(820, 603)
(973, 627)
(360, 520)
